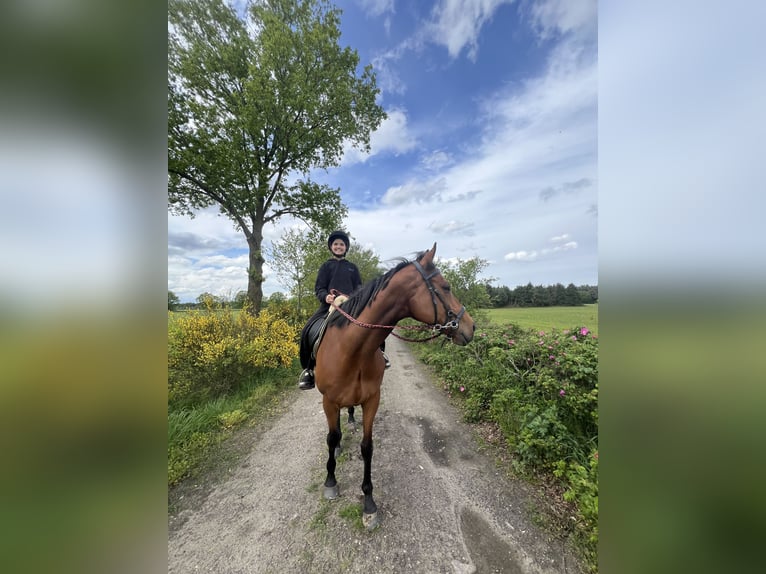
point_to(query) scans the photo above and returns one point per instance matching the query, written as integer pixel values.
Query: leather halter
(435, 293)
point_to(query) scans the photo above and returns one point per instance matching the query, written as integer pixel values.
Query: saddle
(316, 330)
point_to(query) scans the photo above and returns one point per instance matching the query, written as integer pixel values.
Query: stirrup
(306, 380)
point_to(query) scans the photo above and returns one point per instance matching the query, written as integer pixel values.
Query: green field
(546, 318)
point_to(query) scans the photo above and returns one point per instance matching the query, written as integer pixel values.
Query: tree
(366, 260)
(173, 301)
(572, 297)
(498, 296)
(588, 293)
(207, 300)
(288, 257)
(463, 277)
(557, 295)
(239, 300)
(254, 104)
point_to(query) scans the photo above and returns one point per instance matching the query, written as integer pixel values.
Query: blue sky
(489, 149)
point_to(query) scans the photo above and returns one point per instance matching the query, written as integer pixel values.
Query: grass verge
(201, 439)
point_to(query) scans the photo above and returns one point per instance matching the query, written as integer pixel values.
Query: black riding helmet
(338, 235)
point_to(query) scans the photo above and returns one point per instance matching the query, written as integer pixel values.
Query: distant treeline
(542, 296)
(523, 296)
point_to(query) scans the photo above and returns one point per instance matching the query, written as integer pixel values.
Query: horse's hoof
(371, 521)
(331, 492)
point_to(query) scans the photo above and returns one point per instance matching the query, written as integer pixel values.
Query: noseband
(450, 326)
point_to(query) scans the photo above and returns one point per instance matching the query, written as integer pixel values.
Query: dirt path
(444, 505)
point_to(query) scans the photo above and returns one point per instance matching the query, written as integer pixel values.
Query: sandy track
(444, 505)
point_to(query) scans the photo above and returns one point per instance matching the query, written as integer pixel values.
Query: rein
(436, 328)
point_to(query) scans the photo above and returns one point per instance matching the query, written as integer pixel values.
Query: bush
(541, 388)
(186, 455)
(212, 352)
(583, 491)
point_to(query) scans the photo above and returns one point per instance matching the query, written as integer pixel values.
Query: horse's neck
(386, 312)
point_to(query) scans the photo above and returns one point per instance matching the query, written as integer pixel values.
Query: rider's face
(338, 247)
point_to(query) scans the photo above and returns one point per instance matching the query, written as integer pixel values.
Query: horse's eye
(446, 287)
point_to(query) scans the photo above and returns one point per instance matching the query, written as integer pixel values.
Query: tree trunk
(255, 269)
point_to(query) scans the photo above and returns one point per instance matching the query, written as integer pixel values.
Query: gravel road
(444, 505)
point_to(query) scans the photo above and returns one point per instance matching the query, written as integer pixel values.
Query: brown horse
(350, 365)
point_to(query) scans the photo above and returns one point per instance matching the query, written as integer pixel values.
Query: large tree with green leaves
(255, 102)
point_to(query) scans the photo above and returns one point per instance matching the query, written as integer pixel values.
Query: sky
(489, 148)
(677, 185)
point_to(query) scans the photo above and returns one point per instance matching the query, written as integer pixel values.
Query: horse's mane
(365, 295)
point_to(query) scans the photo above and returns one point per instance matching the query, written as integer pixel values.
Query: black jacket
(338, 274)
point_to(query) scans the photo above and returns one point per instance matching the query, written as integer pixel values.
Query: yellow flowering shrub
(212, 352)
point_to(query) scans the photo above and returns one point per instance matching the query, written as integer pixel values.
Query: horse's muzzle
(463, 334)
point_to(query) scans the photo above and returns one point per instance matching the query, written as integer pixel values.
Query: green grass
(547, 318)
(352, 513)
(194, 432)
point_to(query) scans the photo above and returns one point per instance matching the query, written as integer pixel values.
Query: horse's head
(433, 302)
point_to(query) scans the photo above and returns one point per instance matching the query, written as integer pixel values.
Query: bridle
(436, 294)
(437, 329)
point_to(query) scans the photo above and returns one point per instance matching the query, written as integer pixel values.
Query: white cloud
(206, 254)
(207, 232)
(415, 192)
(557, 110)
(436, 160)
(533, 255)
(521, 256)
(562, 16)
(566, 247)
(456, 24)
(453, 227)
(393, 136)
(376, 7)
(567, 187)
(386, 73)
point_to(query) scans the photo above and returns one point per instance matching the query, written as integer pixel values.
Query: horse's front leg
(332, 412)
(370, 517)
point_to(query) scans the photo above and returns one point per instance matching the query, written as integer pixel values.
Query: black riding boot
(306, 380)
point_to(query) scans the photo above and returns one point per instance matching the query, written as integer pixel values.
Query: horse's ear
(428, 256)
